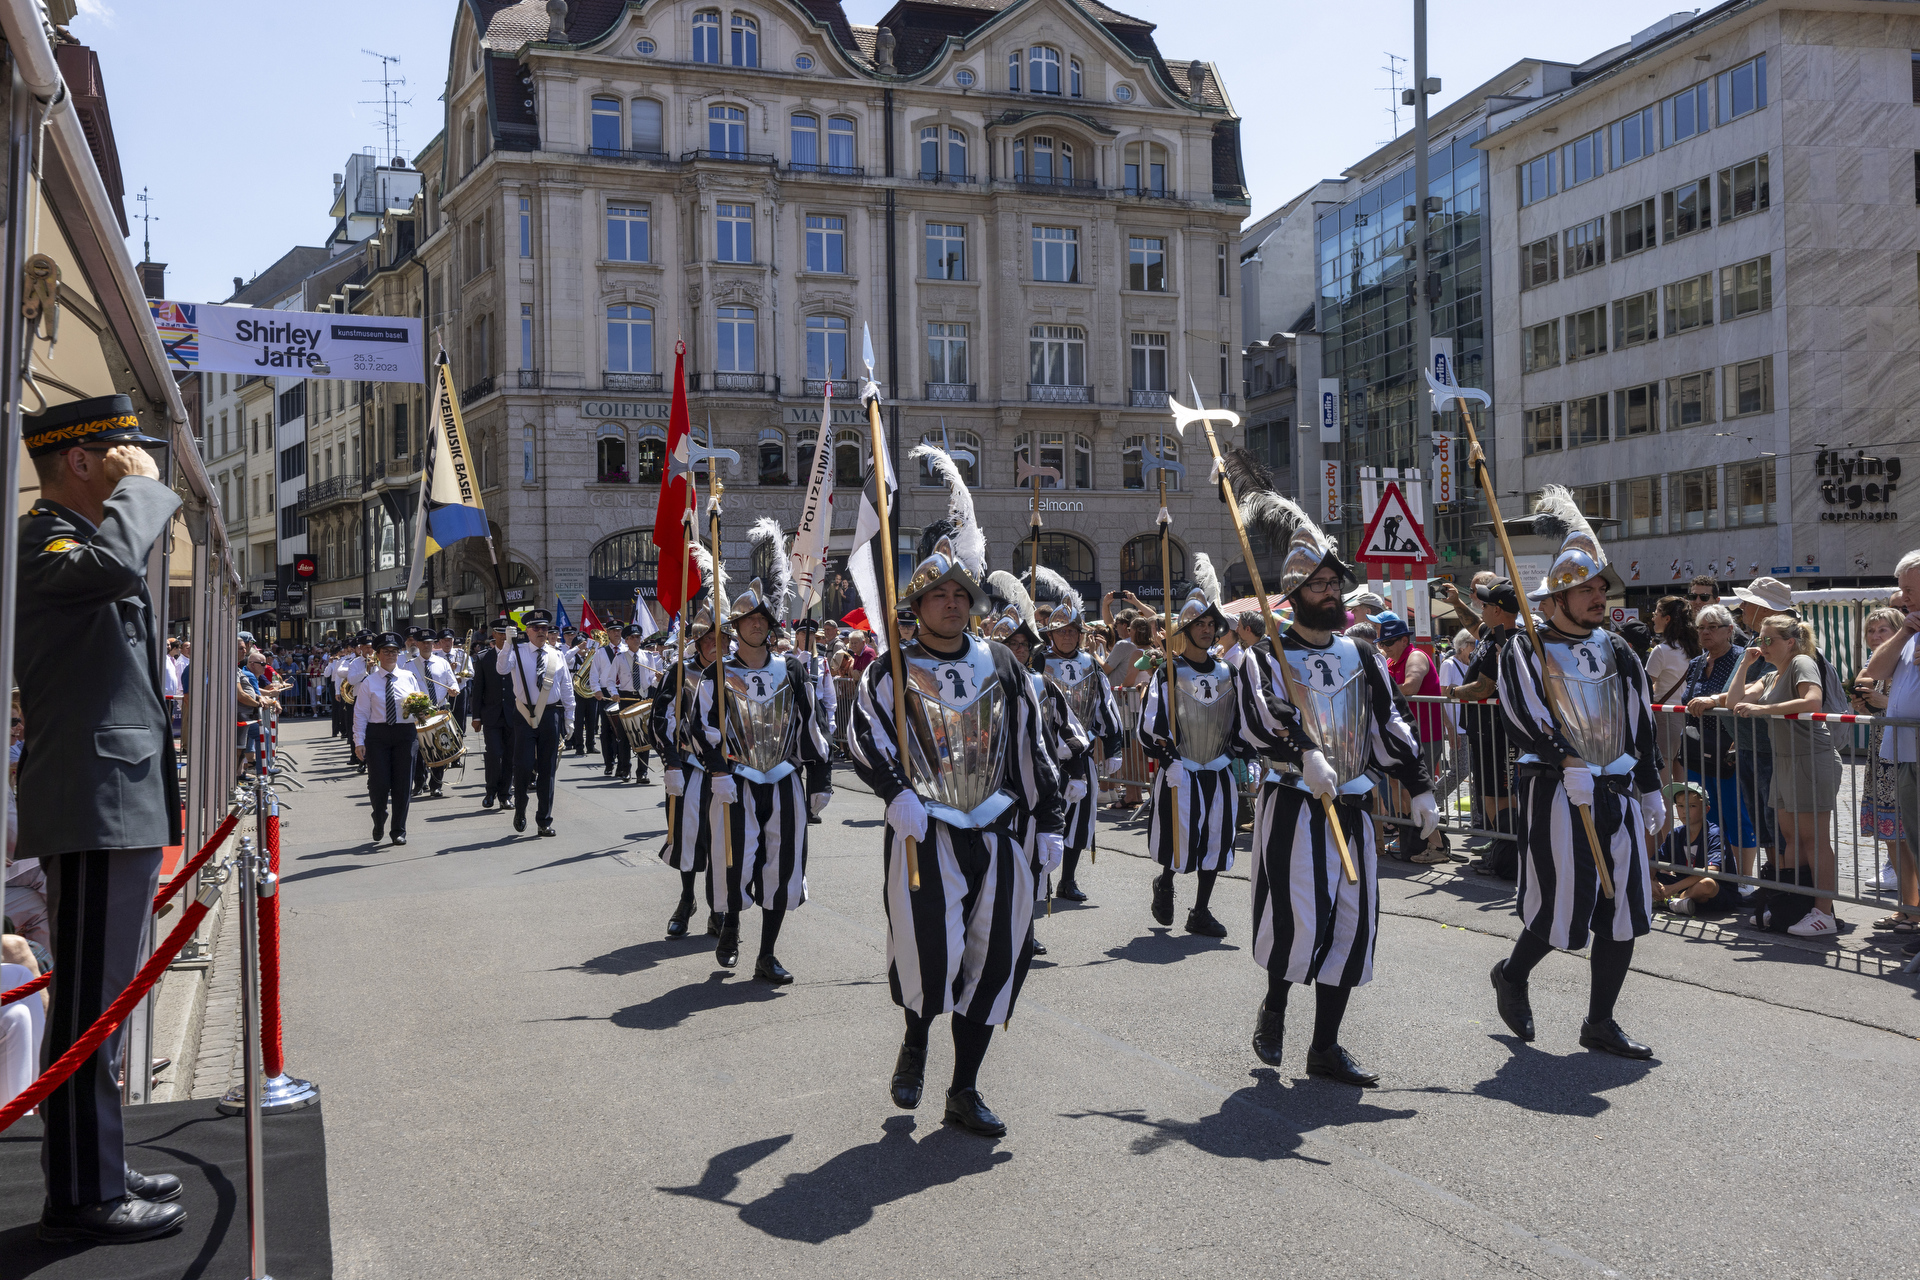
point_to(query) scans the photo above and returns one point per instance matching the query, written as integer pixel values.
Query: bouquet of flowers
(417, 705)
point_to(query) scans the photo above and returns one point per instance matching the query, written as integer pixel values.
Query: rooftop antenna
(1393, 89)
(390, 102)
(147, 219)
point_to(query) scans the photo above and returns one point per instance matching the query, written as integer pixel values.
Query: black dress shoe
(1201, 921)
(1338, 1065)
(909, 1077)
(487, 803)
(607, 772)
(713, 924)
(519, 820)
(434, 794)
(1609, 1038)
(379, 826)
(727, 952)
(813, 819)
(154, 1188)
(1511, 999)
(546, 829)
(399, 837)
(677, 922)
(1039, 947)
(769, 969)
(1070, 891)
(120, 1221)
(969, 1110)
(1163, 898)
(1270, 1035)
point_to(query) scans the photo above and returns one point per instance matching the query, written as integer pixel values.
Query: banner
(809, 553)
(1441, 356)
(1443, 447)
(449, 491)
(675, 502)
(1329, 411)
(1329, 493)
(200, 337)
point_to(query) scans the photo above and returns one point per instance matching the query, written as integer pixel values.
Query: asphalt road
(523, 1078)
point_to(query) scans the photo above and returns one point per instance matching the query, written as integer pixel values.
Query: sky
(260, 104)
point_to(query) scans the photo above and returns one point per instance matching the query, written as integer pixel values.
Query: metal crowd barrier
(843, 687)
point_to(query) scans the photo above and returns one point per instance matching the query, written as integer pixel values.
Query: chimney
(153, 278)
(238, 285)
(1196, 80)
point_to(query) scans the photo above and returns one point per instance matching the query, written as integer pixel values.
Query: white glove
(1653, 811)
(1578, 780)
(1426, 811)
(908, 816)
(676, 782)
(1063, 752)
(1076, 791)
(1176, 774)
(725, 789)
(819, 801)
(1051, 850)
(1319, 776)
(1109, 766)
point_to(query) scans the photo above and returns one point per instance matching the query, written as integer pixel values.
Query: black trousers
(615, 750)
(536, 757)
(499, 754)
(100, 909)
(584, 726)
(392, 751)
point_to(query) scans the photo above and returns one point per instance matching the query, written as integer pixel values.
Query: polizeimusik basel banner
(201, 337)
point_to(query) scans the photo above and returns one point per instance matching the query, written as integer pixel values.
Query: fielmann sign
(205, 338)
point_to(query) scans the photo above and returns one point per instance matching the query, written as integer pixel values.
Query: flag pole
(902, 729)
(715, 489)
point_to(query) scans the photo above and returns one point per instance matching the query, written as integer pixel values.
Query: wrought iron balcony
(1148, 193)
(830, 170)
(927, 175)
(341, 488)
(739, 381)
(529, 378)
(484, 387)
(949, 391)
(632, 157)
(843, 388)
(1081, 186)
(631, 381)
(1139, 399)
(1050, 393)
(736, 157)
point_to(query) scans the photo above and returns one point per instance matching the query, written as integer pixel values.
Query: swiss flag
(669, 533)
(589, 620)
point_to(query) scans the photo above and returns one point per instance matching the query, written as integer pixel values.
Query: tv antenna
(390, 100)
(1393, 88)
(147, 219)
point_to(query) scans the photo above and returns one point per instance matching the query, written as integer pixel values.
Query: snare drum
(633, 716)
(441, 742)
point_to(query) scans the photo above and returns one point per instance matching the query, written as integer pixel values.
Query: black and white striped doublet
(1206, 809)
(1071, 747)
(690, 817)
(1102, 726)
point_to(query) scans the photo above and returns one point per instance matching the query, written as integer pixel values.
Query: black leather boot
(909, 1077)
(1511, 999)
(677, 922)
(1270, 1036)
(969, 1110)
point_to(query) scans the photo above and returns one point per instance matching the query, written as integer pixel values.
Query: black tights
(1069, 863)
(770, 922)
(1329, 1008)
(970, 1040)
(686, 885)
(1608, 968)
(1203, 894)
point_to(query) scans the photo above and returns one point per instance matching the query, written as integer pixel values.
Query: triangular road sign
(1394, 536)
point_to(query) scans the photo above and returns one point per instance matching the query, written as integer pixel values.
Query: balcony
(843, 388)
(830, 170)
(1050, 393)
(630, 157)
(484, 387)
(927, 176)
(1148, 193)
(949, 391)
(529, 379)
(733, 157)
(1138, 399)
(631, 381)
(738, 381)
(341, 488)
(1077, 186)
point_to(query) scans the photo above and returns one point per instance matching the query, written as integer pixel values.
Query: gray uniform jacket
(98, 771)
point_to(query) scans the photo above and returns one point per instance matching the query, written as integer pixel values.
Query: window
(526, 227)
(1595, 502)
(648, 126)
(1069, 453)
(1746, 288)
(956, 153)
(1742, 90)
(1542, 428)
(1586, 246)
(1013, 72)
(826, 347)
(826, 244)
(946, 251)
(930, 152)
(401, 445)
(1749, 387)
(1633, 138)
(1220, 265)
(1586, 333)
(706, 37)
(1689, 400)
(645, 47)
(1633, 229)
(849, 458)
(737, 353)
(630, 339)
(1147, 263)
(1135, 453)
(727, 131)
(1750, 493)
(1540, 346)
(293, 462)
(1696, 500)
(1540, 262)
(931, 167)
(1684, 210)
(1643, 507)
(1149, 364)
(1056, 254)
(1146, 170)
(292, 523)
(1636, 320)
(606, 126)
(957, 444)
(527, 473)
(627, 233)
(733, 238)
(1689, 304)
(1123, 93)
(1743, 189)
(840, 145)
(773, 456)
(804, 145)
(649, 454)
(610, 455)
(1057, 355)
(745, 45)
(1536, 179)
(964, 78)
(1073, 77)
(1683, 115)
(526, 336)
(1043, 69)
(1586, 157)
(803, 62)
(946, 353)
(1636, 411)
(1586, 421)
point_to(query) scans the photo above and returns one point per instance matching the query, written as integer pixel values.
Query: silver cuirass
(1075, 676)
(1203, 711)
(1330, 689)
(958, 713)
(760, 727)
(1586, 684)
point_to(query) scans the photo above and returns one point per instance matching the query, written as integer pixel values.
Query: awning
(254, 613)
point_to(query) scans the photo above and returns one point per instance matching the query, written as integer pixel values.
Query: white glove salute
(1076, 791)
(1427, 813)
(1578, 780)
(725, 789)
(1653, 811)
(1052, 849)
(908, 816)
(1319, 776)
(819, 801)
(1109, 766)
(676, 782)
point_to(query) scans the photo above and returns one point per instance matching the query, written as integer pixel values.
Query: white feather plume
(714, 580)
(1205, 577)
(1010, 589)
(969, 539)
(766, 532)
(1557, 514)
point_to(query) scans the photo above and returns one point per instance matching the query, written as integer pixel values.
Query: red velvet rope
(269, 909)
(26, 988)
(179, 881)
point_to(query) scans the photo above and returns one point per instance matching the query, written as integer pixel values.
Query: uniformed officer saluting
(98, 793)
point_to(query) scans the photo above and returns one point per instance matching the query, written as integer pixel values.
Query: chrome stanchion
(245, 1098)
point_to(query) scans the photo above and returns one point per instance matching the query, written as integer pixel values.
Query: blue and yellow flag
(449, 488)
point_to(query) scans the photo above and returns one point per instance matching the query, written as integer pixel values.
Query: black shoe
(487, 803)
(909, 1077)
(1163, 898)
(434, 794)
(1609, 1038)
(677, 922)
(620, 777)
(519, 820)
(154, 1188)
(120, 1221)
(1201, 921)
(1070, 891)
(1039, 947)
(1337, 1064)
(643, 779)
(607, 772)
(969, 1110)
(546, 829)
(713, 924)
(1270, 1035)
(399, 837)
(813, 819)
(1511, 999)
(769, 969)
(379, 826)
(727, 952)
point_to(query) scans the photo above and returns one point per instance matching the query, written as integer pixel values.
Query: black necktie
(539, 670)
(393, 712)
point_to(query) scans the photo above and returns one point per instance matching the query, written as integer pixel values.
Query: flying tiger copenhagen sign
(201, 337)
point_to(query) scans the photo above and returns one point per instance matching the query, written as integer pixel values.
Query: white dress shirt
(434, 675)
(370, 707)
(536, 673)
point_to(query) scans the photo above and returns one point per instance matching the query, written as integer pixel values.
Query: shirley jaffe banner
(201, 337)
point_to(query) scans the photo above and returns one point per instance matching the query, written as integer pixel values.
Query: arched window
(706, 36)
(964, 447)
(1065, 554)
(648, 122)
(804, 145)
(617, 568)
(606, 126)
(610, 454)
(737, 353)
(1074, 78)
(1146, 169)
(1140, 566)
(1068, 453)
(1013, 72)
(1043, 159)
(746, 41)
(1134, 455)
(840, 145)
(649, 454)
(1043, 69)
(630, 339)
(826, 347)
(773, 456)
(727, 131)
(849, 458)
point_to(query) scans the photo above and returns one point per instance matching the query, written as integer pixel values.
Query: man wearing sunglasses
(1703, 591)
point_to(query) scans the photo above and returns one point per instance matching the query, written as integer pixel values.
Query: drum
(441, 742)
(633, 717)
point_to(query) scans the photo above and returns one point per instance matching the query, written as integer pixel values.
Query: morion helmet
(1579, 559)
(943, 564)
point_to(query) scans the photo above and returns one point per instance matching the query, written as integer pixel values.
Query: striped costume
(690, 816)
(1070, 746)
(1087, 689)
(1207, 808)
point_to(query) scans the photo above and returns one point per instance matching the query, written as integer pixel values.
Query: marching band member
(435, 677)
(1090, 694)
(493, 713)
(456, 656)
(622, 677)
(543, 711)
(578, 649)
(386, 737)
(807, 635)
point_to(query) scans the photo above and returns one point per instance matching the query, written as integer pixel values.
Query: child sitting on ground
(1692, 840)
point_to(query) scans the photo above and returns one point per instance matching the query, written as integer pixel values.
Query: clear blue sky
(238, 116)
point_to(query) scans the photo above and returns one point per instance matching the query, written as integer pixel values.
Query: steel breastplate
(957, 714)
(1331, 695)
(1075, 676)
(1586, 684)
(760, 717)
(1203, 713)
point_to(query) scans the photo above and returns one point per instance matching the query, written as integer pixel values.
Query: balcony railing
(1050, 393)
(739, 381)
(1085, 186)
(843, 388)
(1147, 399)
(341, 488)
(1149, 193)
(484, 387)
(926, 175)
(634, 157)
(949, 391)
(529, 378)
(830, 170)
(736, 157)
(631, 381)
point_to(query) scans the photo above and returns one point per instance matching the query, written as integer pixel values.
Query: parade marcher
(1599, 752)
(621, 678)
(807, 637)
(386, 737)
(578, 649)
(1195, 801)
(493, 714)
(689, 813)
(457, 658)
(1321, 709)
(1090, 694)
(980, 773)
(543, 710)
(434, 674)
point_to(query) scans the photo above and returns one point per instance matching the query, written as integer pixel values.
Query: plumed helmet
(1065, 614)
(1579, 559)
(1198, 606)
(751, 601)
(1009, 623)
(943, 564)
(1308, 550)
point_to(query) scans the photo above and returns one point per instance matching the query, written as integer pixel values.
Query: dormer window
(1043, 69)
(745, 45)
(706, 36)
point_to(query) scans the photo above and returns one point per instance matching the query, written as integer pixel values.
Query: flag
(450, 506)
(560, 620)
(809, 553)
(589, 620)
(669, 533)
(868, 577)
(642, 614)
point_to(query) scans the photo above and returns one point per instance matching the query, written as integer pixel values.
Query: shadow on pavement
(1560, 1084)
(665, 1012)
(637, 958)
(1163, 946)
(1266, 1120)
(588, 856)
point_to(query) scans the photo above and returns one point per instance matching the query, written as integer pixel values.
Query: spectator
(1133, 629)
(1703, 591)
(1667, 663)
(170, 683)
(23, 1022)
(26, 902)
(1364, 630)
(1692, 840)
(863, 653)
(1486, 726)
(1894, 662)
(1413, 673)
(1758, 599)
(1880, 805)
(1463, 607)
(829, 635)
(1709, 745)
(905, 625)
